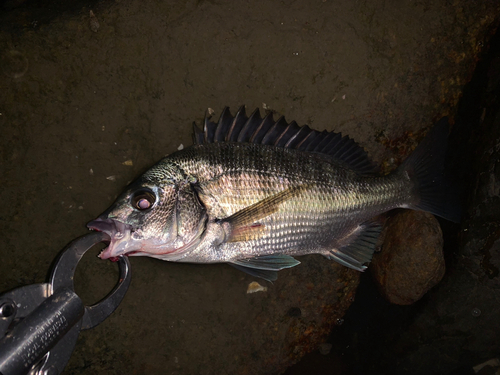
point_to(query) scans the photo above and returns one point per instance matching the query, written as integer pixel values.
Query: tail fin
(425, 167)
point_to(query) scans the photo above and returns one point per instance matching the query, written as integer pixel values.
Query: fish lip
(119, 233)
(108, 226)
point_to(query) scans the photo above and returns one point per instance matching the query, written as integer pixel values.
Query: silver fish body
(256, 205)
(329, 205)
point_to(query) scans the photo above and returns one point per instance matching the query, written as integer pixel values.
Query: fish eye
(143, 199)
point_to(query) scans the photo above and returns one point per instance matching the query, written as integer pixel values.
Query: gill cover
(159, 215)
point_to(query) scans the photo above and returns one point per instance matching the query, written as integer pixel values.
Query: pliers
(40, 323)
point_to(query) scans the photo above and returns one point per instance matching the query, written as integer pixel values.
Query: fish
(256, 193)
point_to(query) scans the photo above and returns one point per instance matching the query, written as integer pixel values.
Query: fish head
(158, 215)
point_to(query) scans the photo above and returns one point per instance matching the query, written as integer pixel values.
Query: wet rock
(411, 261)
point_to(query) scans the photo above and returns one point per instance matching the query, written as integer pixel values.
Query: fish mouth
(121, 241)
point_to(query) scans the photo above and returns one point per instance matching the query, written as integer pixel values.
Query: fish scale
(255, 193)
(338, 200)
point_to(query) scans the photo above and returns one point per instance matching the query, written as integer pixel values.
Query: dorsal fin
(280, 133)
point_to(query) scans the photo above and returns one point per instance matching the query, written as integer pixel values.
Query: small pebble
(111, 178)
(93, 23)
(487, 367)
(13, 63)
(181, 147)
(294, 312)
(325, 348)
(128, 163)
(255, 287)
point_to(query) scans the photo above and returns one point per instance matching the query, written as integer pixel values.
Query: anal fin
(359, 246)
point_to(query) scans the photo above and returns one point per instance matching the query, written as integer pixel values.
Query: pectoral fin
(243, 225)
(244, 233)
(263, 274)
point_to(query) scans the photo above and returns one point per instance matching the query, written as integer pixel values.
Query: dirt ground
(84, 112)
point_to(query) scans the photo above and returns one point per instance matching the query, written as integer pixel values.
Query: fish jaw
(122, 241)
(125, 240)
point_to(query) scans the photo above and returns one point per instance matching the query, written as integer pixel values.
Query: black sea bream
(255, 192)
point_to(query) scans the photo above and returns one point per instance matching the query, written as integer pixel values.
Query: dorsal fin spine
(244, 136)
(235, 127)
(280, 133)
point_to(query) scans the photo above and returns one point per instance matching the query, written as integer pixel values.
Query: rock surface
(455, 326)
(76, 106)
(411, 260)
(193, 319)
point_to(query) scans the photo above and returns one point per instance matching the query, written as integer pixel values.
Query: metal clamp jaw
(40, 323)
